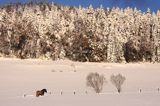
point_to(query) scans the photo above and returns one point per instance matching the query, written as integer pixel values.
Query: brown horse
(41, 92)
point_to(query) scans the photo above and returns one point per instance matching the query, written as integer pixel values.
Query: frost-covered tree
(44, 30)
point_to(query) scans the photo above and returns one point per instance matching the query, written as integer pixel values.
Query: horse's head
(44, 90)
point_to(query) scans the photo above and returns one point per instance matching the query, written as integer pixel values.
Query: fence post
(61, 92)
(140, 90)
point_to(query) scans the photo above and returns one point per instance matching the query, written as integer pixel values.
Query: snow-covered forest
(53, 31)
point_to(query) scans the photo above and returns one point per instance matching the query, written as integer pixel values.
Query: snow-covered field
(24, 77)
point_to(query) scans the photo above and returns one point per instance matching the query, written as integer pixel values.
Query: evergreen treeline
(43, 30)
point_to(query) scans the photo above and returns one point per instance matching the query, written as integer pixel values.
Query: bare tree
(96, 81)
(117, 81)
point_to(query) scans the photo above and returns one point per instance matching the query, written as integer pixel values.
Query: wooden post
(140, 90)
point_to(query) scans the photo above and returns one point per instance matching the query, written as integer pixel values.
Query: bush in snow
(117, 81)
(96, 81)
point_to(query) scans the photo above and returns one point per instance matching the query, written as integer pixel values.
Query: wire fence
(82, 93)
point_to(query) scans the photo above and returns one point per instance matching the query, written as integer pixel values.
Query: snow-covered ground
(24, 77)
